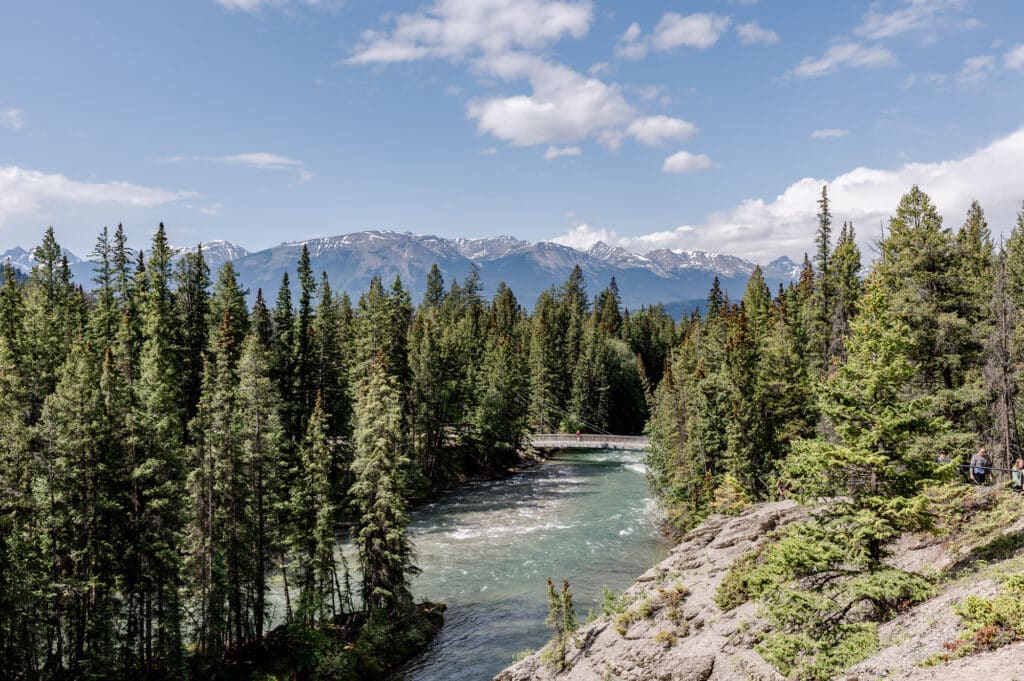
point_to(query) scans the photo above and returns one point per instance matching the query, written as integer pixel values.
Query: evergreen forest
(178, 469)
(862, 392)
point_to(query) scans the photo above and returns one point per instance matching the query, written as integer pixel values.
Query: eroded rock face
(672, 630)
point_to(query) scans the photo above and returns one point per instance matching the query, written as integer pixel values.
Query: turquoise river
(487, 548)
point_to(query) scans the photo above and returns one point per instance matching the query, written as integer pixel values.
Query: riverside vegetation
(844, 392)
(178, 470)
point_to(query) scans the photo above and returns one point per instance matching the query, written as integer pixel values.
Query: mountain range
(677, 278)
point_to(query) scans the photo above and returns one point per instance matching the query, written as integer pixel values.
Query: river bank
(667, 625)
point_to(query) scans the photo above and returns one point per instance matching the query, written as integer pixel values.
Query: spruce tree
(826, 582)
(192, 300)
(159, 472)
(319, 597)
(260, 444)
(378, 493)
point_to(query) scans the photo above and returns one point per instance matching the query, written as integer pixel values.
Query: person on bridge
(577, 436)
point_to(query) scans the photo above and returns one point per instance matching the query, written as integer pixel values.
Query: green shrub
(988, 623)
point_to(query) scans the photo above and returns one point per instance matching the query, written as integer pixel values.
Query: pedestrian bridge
(572, 441)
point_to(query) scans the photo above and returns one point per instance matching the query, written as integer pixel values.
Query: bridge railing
(555, 440)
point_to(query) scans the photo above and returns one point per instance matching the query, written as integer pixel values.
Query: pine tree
(303, 353)
(545, 370)
(385, 553)
(260, 444)
(846, 285)
(227, 305)
(319, 598)
(218, 498)
(434, 295)
(820, 328)
(12, 306)
(1000, 374)
(192, 300)
(50, 321)
(874, 474)
(104, 317)
(23, 568)
(159, 474)
(921, 269)
(589, 400)
(284, 360)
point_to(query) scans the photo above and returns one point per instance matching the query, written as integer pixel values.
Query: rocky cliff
(666, 627)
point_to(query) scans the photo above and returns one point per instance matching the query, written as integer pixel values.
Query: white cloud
(260, 160)
(973, 71)
(211, 209)
(829, 133)
(489, 151)
(762, 229)
(911, 16)
(253, 6)
(505, 40)
(12, 119)
(1014, 59)
(453, 29)
(685, 162)
(629, 45)
(601, 68)
(27, 192)
(653, 130)
(557, 152)
(844, 55)
(699, 31)
(976, 69)
(752, 33)
(564, 105)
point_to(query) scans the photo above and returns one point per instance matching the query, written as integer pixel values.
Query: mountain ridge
(675, 277)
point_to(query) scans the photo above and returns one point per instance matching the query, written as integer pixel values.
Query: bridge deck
(572, 441)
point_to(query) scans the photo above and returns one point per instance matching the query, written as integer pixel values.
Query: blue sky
(700, 124)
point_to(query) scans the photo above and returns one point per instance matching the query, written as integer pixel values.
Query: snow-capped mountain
(23, 260)
(702, 261)
(617, 256)
(782, 268)
(215, 252)
(489, 248)
(675, 277)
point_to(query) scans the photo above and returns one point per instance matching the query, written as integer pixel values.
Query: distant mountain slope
(679, 279)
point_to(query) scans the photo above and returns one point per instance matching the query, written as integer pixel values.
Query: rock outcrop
(670, 629)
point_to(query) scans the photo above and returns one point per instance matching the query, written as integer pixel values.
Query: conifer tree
(820, 328)
(846, 286)
(1001, 370)
(319, 597)
(385, 553)
(874, 474)
(227, 305)
(545, 371)
(23, 567)
(260, 444)
(159, 473)
(921, 269)
(192, 300)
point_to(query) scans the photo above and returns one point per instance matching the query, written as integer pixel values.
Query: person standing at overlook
(979, 466)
